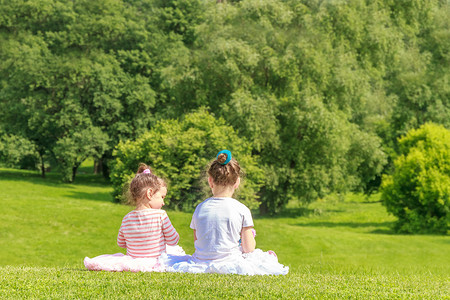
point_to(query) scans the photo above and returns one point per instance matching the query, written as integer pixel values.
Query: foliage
(72, 150)
(292, 86)
(75, 76)
(179, 151)
(419, 74)
(181, 17)
(418, 192)
(344, 77)
(16, 151)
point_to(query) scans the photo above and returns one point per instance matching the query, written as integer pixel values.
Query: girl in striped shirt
(145, 231)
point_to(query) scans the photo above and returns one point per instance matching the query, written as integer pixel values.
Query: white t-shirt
(218, 222)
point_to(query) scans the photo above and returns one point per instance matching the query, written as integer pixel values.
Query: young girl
(146, 232)
(219, 223)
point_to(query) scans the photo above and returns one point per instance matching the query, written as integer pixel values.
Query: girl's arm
(248, 240)
(170, 234)
(195, 235)
(121, 239)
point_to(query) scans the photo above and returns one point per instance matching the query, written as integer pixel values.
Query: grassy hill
(336, 248)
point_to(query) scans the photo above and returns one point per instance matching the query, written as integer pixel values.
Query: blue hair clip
(228, 153)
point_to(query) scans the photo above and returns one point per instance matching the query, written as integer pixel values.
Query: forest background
(311, 95)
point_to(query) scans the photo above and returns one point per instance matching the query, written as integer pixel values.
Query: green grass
(32, 282)
(335, 248)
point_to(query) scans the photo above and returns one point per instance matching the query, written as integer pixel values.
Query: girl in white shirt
(220, 223)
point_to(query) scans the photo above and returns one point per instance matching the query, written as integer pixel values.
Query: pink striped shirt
(145, 233)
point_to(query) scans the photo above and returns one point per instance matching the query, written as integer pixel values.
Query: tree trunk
(42, 165)
(105, 167)
(263, 209)
(98, 166)
(74, 173)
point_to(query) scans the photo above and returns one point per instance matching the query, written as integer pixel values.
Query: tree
(282, 76)
(343, 77)
(418, 192)
(15, 151)
(72, 85)
(46, 102)
(419, 70)
(179, 151)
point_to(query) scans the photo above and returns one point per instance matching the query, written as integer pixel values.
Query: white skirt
(120, 262)
(175, 260)
(254, 263)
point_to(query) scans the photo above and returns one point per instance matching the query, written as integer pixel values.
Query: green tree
(181, 17)
(47, 102)
(276, 71)
(419, 72)
(343, 77)
(418, 192)
(18, 152)
(75, 68)
(179, 151)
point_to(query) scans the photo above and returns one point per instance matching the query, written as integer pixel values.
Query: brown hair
(224, 175)
(143, 181)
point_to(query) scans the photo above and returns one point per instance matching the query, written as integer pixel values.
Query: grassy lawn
(335, 248)
(34, 282)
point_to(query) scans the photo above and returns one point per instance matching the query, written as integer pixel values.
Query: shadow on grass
(52, 178)
(287, 213)
(11, 174)
(294, 213)
(99, 196)
(384, 226)
(386, 231)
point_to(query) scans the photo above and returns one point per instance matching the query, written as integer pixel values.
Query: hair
(143, 181)
(224, 175)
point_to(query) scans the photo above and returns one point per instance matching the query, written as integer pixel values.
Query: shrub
(18, 152)
(179, 151)
(418, 192)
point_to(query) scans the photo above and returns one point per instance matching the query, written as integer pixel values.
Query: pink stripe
(174, 243)
(145, 241)
(156, 218)
(142, 235)
(150, 245)
(152, 255)
(135, 215)
(146, 234)
(145, 250)
(142, 231)
(146, 226)
(170, 236)
(145, 217)
(142, 222)
(170, 232)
